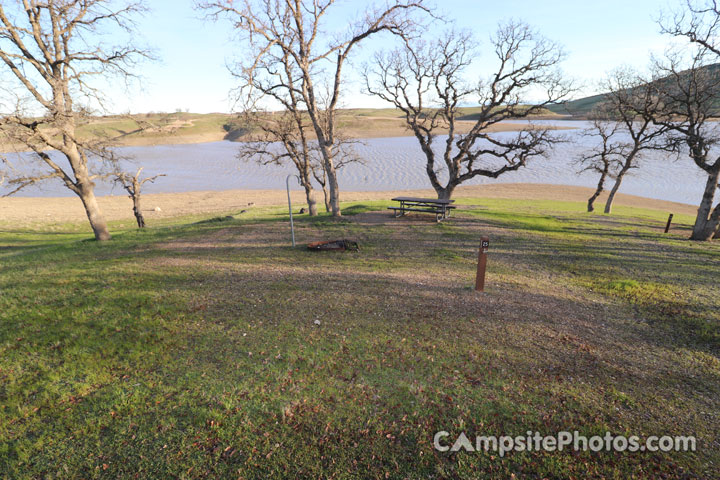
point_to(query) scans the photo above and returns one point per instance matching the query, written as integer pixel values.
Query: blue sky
(191, 74)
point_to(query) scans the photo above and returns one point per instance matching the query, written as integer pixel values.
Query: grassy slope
(181, 126)
(190, 350)
(579, 107)
(583, 106)
(170, 126)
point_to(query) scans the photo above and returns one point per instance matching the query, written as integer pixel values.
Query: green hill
(582, 106)
(579, 107)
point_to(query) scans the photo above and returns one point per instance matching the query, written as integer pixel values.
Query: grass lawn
(215, 350)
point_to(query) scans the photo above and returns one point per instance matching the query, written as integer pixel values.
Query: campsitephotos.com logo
(535, 441)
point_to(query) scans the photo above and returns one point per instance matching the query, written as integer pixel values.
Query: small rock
(317, 322)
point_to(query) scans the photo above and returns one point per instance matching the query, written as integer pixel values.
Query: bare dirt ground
(20, 212)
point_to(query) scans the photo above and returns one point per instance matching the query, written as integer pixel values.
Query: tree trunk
(334, 190)
(309, 195)
(446, 192)
(616, 187)
(331, 173)
(97, 221)
(706, 222)
(598, 191)
(138, 213)
(85, 188)
(326, 195)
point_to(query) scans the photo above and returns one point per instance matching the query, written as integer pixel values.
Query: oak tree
(282, 33)
(57, 53)
(428, 82)
(133, 186)
(690, 89)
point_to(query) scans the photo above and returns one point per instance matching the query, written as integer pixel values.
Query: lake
(389, 164)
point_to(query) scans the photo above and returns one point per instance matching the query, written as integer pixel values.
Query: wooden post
(482, 264)
(667, 227)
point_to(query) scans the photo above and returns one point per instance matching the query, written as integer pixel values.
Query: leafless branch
(425, 81)
(54, 50)
(290, 63)
(133, 186)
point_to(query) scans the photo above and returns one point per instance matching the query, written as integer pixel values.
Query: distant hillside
(577, 108)
(184, 127)
(582, 106)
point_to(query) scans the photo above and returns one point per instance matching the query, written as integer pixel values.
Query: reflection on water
(389, 164)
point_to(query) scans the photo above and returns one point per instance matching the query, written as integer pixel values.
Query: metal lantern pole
(292, 225)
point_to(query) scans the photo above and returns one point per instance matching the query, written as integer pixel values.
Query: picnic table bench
(441, 208)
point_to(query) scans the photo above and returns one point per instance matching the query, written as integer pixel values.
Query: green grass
(579, 107)
(191, 349)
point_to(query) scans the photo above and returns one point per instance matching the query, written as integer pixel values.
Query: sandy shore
(18, 212)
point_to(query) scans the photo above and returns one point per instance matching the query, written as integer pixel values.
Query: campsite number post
(669, 222)
(482, 264)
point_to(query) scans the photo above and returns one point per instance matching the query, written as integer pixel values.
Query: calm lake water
(389, 164)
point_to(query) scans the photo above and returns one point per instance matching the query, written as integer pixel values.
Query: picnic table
(440, 207)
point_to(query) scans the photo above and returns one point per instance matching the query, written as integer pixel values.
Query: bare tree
(283, 137)
(425, 80)
(604, 158)
(698, 22)
(688, 91)
(633, 106)
(691, 91)
(287, 136)
(133, 185)
(343, 153)
(279, 32)
(53, 49)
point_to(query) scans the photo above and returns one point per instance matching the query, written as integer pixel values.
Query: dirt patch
(21, 212)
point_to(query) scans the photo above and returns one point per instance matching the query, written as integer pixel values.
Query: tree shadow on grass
(224, 348)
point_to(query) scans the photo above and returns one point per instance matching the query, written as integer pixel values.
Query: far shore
(353, 127)
(28, 212)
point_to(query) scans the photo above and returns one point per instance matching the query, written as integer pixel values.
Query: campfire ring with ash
(334, 245)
